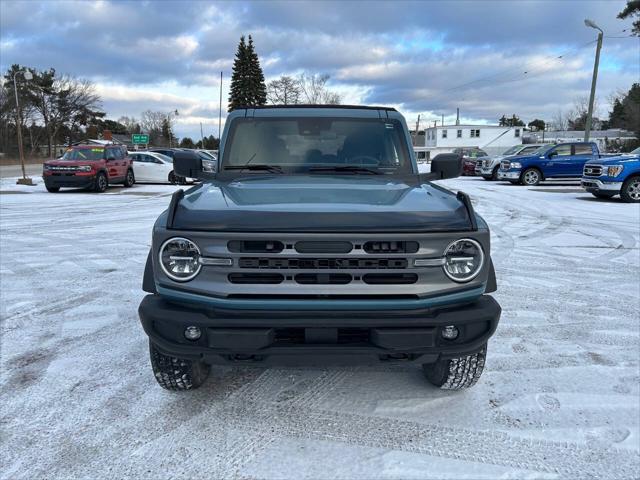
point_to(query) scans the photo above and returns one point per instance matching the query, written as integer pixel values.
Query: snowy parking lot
(560, 396)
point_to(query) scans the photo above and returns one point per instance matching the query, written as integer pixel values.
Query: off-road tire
(456, 373)
(177, 374)
(630, 192)
(531, 177)
(52, 189)
(101, 183)
(129, 179)
(602, 195)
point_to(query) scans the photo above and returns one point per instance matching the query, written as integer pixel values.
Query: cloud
(424, 57)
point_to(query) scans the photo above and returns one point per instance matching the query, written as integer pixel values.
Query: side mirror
(553, 154)
(187, 164)
(446, 165)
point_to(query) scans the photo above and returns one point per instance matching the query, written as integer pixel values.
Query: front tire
(177, 374)
(101, 183)
(173, 180)
(456, 373)
(531, 177)
(630, 192)
(52, 189)
(602, 195)
(129, 179)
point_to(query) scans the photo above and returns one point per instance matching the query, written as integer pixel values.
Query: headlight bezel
(614, 170)
(172, 275)
(473, 274)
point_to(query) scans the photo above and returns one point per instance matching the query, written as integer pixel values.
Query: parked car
(154, 167)
(469, 159)
(612, 176)
(302, 247)
(210, 162)
(562, 161)
(89, 166)
(487, 167)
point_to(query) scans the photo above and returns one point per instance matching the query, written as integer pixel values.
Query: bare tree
(151, 122)
(559, 121)
(132, 125)
(283, 91)
(315, 91)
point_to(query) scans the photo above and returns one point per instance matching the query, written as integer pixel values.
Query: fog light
(192, 333)
(449, 332)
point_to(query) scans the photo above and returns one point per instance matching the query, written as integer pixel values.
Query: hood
(69, 163)
(624, 158)
(319, 203)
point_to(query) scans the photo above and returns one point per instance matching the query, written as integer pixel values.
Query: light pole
(27, 76)
(175, 113)
(587, 127)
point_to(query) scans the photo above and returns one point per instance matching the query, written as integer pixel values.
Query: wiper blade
(267, 168)
(346, 168)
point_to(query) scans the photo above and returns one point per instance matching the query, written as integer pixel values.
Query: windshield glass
(513, 150)
(96, 153)
(321, 144)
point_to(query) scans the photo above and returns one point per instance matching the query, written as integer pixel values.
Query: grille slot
(322, 263)
(391, 247)
(390, 278)
(256, 278)
(289, 336)
(323, 278)
(255, 246)
(324, 247)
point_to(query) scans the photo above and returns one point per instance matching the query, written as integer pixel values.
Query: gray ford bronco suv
(315, 237)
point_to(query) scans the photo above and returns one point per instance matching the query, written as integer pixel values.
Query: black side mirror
(446, 165)
(187, 164)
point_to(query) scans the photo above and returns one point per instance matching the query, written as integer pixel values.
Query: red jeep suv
(89, 166)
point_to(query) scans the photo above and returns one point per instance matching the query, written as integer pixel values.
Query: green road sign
(140, 139)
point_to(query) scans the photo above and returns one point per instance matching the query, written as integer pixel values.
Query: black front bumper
(347, 336)
(69, 180)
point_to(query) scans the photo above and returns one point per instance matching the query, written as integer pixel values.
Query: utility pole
(201, 137)
(220, 114)
(587, 128)
(27, 76)
(442, 123)
(415, 135)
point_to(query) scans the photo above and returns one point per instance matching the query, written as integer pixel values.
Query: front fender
(148, 283)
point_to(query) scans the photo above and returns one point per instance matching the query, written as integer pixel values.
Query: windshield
(513, 150)
(96, 153)
(318, 144)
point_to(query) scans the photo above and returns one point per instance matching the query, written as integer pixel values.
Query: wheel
(173, 373)
(173, 180)
(129, 179)
(630, 192)
(456, 373)
(494, 174)
(531, 177)
(101, 183)
(602, 195)
(52, 189)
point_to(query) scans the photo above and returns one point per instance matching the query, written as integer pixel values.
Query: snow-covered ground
(560, 397)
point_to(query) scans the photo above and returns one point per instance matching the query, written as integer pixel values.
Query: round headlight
(180, 259)
(463, 260)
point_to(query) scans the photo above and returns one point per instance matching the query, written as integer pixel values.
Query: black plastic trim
(173, 206)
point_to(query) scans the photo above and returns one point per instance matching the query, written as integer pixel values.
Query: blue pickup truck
(564, 160)
(618, 175)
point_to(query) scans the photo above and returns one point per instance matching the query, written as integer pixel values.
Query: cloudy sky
(487, 57)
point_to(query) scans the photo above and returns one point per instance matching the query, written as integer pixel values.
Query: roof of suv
(302, 105)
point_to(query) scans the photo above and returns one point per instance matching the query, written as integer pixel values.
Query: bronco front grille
(304, 263)
(592, 170)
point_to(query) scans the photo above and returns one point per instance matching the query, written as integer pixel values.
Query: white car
(153, 167)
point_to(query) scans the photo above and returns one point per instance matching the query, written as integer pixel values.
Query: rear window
(96, 153)
(299, 144)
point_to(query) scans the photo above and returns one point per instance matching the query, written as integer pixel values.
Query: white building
(490, 138)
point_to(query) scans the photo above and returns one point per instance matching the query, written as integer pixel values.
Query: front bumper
(596, 185)
(292, 335)
(69, 180)
(508, 175)
(486, 171)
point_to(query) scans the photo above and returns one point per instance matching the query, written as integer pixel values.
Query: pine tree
(247, 80)
(238, 89)
(258, 88)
